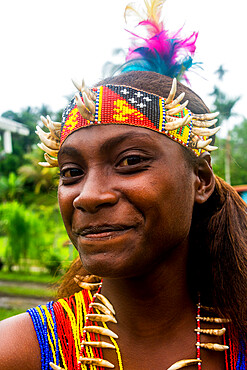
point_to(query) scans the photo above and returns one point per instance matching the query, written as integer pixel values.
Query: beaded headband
(113, 104)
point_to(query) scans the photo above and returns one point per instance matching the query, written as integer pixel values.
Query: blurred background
(43, 44)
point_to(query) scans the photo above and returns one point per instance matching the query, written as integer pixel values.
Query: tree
(239, 153)
(10, 187)
(23, 228)
(23, 144)
(224, 105)
(110, 68)
(37, 179)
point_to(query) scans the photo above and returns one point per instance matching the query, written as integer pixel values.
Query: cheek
(65, 200)
(173, 202)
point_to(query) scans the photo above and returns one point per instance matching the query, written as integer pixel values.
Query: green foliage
(239, 153)
(53, 263)
(23, 144)
(223, 104)
(37, 179)
(218, 158)
(7, 312)
(31, 228)
(227, 161)
(33, 277)
(39, 292)
(23, 228)
(10, 187)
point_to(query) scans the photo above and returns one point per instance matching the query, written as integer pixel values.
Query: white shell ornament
(184, 363)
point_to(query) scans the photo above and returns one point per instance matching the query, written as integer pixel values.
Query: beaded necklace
(104, 312)
(69, 332)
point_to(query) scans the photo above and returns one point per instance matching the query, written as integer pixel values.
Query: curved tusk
(100, 307)
(45, 148)
(177, 109)
(54, 133)
(91, 94)
(105, 301)
(172, 92)
(180, 122)
(175, 102)
(55, 367)
(45, 164)
(79, 85)
(98, 344)
(202, 143)
(87, 286)
(46, 139)
(206, 308)
(54, 127)
(102, 318)
(217, 320)
(210, 148)
(213, 346)
(44, 121)
(89, 278)
(57, 125)
(96, 361)
(205, 131)
(184, 363)
(52, 161)
(88, 103)
(204, 123)
(83, 110)
(217, 332)
(205, 116)
(100, 330)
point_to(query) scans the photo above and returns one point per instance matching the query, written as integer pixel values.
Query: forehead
(107, 137)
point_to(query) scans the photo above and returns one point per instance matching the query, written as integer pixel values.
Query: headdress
(160, 51)
(118, 104)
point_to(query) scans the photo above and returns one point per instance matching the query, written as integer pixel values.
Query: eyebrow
(69, 150)
(108, 144)
(114, 141)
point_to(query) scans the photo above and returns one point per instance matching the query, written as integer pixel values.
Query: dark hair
(156, 84)
(218, 236)
(218, 241)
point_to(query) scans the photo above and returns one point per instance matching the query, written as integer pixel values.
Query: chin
(110, 266)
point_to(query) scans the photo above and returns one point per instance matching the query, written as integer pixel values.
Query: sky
(44, 44)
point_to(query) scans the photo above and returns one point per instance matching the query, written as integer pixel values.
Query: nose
(96, 192)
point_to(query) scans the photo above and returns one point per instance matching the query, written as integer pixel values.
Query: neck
(157, 300)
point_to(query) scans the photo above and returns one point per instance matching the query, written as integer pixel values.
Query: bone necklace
(103, 312)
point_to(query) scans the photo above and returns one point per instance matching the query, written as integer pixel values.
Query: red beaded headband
(113, 104)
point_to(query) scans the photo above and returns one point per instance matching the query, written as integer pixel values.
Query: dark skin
(127, 204)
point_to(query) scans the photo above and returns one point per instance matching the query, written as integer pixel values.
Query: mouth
(103, 231)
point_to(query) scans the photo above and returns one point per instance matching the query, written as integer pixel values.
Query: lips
(102, 231)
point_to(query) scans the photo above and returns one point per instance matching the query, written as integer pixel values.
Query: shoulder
(19, 347)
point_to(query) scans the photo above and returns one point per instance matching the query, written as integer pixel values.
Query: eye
(70, 173)
(131, 160)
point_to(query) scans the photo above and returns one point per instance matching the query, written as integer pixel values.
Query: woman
(162, 240)
(149, 216)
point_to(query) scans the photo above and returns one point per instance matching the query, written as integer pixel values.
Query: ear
(205, 181)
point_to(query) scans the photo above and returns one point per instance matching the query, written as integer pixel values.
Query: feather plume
(160, 51)
(151, 13)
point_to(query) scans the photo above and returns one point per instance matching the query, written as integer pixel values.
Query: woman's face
(126, 195)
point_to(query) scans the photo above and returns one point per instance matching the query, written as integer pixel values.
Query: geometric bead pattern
(126, 105)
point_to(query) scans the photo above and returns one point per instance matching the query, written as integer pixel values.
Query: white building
(7, 126)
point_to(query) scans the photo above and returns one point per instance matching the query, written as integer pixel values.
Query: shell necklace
(102, 312)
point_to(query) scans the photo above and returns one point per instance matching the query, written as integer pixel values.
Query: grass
(27, 291)
(6, 312)
(28, 277)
